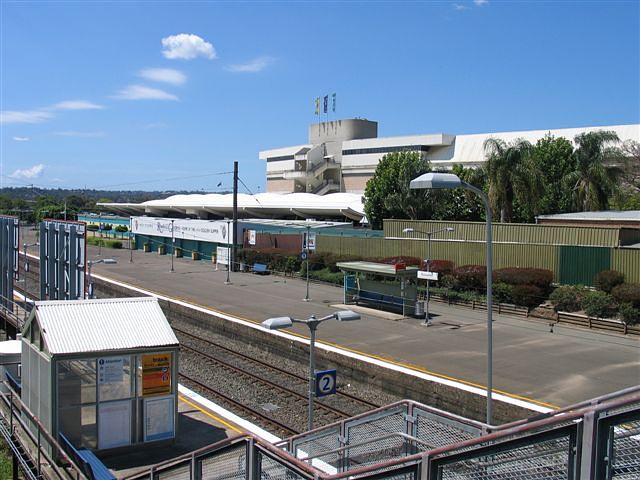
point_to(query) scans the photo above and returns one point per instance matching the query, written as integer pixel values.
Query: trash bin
(419, 310)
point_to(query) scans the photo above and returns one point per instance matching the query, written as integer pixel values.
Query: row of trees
(522, 180)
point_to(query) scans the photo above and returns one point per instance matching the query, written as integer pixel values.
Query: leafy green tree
(594, 180)
(553, 158)
(387, 193)
(512, 175)
(460, 204)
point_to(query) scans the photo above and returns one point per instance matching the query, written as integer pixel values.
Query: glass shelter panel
(76, 382)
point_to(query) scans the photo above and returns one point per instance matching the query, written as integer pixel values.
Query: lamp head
(433, 180)
(408, 230)
(346, 315)
(277, 323)
(450, 229)
(109, 261)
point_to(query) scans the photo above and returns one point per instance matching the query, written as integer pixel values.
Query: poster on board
(159, 416)
(156, 374)
(114, 424)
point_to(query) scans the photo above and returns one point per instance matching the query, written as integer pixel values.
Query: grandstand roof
(261, 205)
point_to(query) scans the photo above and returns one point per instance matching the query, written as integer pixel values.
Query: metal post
(173, 246)
(427, 318)
(306, 298)
(130, 240)
(313, 325)
(90, 282)
(228, 280)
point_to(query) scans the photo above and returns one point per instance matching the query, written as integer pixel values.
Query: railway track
(269, 391)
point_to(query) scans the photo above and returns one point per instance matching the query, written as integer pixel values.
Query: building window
(278, 159)
(403, 148)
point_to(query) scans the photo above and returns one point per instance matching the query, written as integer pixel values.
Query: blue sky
(166, 95)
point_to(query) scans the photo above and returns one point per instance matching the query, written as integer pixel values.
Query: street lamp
(91, 263)
(228, 280)
(306, 255)
(277, 323)
(427, 318)
(448, 181)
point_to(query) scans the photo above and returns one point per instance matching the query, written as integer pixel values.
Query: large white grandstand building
(343, 154)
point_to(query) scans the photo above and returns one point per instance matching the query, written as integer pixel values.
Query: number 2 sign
(325, 383)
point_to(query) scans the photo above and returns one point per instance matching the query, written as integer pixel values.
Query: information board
(114, 424)
(62, 260)
(159, 414)
(110, 370)
(9, 229)
(156, 374)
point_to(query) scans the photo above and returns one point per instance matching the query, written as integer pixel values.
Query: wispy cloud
(256, 65)
(81, 134)
(459, 7)
(156, 126)
(142, 92)
(32, 116)
(76, 105)
(479, 3)
(21, 139)
(32, 172)
(186, 46)
(166, 75)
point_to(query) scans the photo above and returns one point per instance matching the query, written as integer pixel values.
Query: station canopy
(261, 205)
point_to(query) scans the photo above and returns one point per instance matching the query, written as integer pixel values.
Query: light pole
(130, 240)
(173, 246)
(91, 263)
(306, 251)
(427, 318)
(228, 280)
(449, 181)
(277, 323)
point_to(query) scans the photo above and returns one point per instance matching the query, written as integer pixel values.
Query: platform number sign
(325, 383)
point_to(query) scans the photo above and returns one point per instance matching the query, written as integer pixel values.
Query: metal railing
(407, 440)
(37, 454)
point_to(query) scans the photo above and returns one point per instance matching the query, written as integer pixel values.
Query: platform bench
(91, 465)
(378, 300)
(260, 268)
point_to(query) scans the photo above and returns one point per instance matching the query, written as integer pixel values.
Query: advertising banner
(187, 229)
(156, 374)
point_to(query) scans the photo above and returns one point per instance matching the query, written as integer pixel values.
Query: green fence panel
(579, 265)
(627, 261)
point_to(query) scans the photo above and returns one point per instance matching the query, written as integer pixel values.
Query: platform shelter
(380, 285)
(104, 373)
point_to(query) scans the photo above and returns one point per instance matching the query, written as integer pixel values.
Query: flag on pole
(317, 105)
(333, 102)
(326, 103)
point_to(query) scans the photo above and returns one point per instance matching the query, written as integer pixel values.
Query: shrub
(443, 267)
(113, 243)
(627, 293)
(524, 276)
(122, 228)
(292, 264)
(628, 314)
(527, 295)
(92, 227)
(400, 259)
(502, 292)
(608, 279)
(471, 277)
(449, 281)
(107, 227)
(597, 304)
(567, 298)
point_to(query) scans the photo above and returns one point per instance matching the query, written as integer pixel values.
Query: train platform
(531, 363)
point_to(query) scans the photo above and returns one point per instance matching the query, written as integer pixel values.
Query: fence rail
(601, 324)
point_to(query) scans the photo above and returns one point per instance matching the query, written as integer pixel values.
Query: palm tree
(511, 174)
(594, 179)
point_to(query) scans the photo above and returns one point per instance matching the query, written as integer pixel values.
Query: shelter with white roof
(104, 373)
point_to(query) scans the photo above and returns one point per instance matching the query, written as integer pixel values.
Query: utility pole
(235, 211)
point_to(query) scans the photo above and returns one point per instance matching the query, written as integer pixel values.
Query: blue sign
(325, 383)
(303, 255)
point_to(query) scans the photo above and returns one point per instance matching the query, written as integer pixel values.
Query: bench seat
(260, 268)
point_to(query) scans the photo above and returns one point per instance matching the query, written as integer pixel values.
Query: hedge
(539, 277)
(627, 293)
(567, 298)
(470, 277)
(608, 279)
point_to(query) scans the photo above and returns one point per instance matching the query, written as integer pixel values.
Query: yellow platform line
(210, 415)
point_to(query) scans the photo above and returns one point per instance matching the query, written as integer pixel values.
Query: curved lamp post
(277, 323)
(91, 263)
(449, 181)
(427, 317)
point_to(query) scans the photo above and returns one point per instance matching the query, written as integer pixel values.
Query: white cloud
(81, 134)
(142, 92)
(255, 65)
(186, 46)
(21, 139)
(156, 126)
(479, 3)
(76, 105)
(31, 172)
(34, 116)
(166, 75)
(459, 7)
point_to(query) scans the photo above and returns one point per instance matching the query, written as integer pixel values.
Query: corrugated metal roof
(78, 326)
(607, 215)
